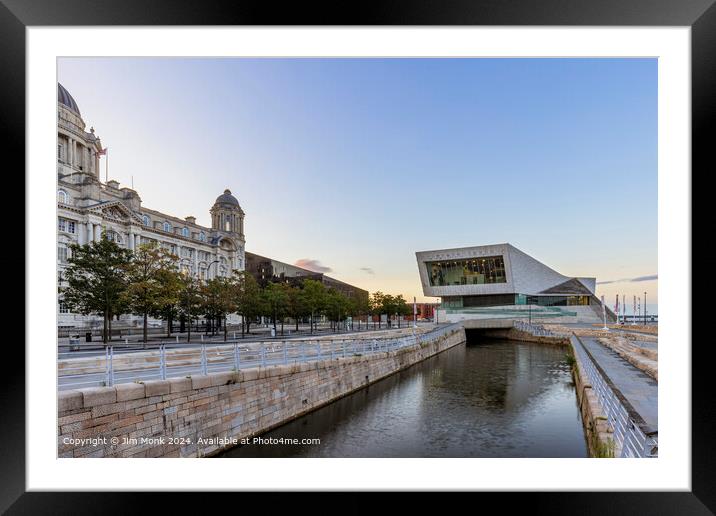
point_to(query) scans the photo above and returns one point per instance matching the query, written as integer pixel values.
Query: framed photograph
(420, 249)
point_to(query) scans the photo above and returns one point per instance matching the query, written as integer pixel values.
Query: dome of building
(64, 97)
(227, 198)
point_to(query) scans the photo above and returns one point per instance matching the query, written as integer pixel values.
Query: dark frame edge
(702, 499)
(12, 134)
(703, 113)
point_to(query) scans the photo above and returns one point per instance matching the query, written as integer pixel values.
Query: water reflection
(495, 399)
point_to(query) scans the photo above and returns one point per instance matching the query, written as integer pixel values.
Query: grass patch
(603, 450)
(571, 361)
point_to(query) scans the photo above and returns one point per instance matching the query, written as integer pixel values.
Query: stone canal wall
(599, 434)
(201, 415)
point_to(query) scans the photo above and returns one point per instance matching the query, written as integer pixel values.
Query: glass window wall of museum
(562, 300)
(471, 271)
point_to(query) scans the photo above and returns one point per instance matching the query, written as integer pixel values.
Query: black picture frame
(700, 15)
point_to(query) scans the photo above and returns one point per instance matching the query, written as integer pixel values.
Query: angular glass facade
(455, 302)
(471, 271)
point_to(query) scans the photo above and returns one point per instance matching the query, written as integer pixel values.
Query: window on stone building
(62, 253)
(185, 232)
(167, 227)
(65, 225)
(202, 236)
(146, 220)
(64, 309)
(114, 236)
(62, 197)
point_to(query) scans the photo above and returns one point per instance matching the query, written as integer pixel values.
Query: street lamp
(644, 308)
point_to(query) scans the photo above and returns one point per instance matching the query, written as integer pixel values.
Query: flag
(102, 152)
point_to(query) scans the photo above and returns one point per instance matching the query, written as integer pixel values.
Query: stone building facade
(87, 208)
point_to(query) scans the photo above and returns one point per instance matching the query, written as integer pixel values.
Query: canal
(486, 398)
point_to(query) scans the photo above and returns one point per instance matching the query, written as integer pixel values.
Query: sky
(350, 166)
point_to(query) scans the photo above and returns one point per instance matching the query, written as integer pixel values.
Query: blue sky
(358, 163)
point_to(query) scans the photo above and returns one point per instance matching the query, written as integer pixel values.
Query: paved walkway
(640, 389)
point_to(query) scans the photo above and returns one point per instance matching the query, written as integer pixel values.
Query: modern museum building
(492, 280)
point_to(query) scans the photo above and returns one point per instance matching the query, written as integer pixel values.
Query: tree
(247, 298)
(313, 296)
(336, 306)
(295, 307)
(190, 300)
(377, 304)
(360, 306)
(275, 301)
(168, 310)
(96, 280)
(152, 283)
(401, 307)
(388, 307)
(219, 299)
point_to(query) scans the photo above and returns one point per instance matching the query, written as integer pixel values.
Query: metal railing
(629, 437)
(122, 365)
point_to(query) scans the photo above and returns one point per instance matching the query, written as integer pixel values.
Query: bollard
(162, 362)
(177, 339)
(285, 352)
(109, 376)
(126, 341)
(204, 366)
(332, 356)
(202, 337)
(237, 358)
(344, 348)
(303, 352)
(263, 355)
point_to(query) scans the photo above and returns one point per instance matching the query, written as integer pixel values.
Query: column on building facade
(90, 232)
(97, 232)
(137, 241)
(74, 153)
(130, 242)
(81, 233)
(68, 151)
(196, 262)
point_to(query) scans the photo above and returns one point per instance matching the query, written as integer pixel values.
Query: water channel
(486, 398)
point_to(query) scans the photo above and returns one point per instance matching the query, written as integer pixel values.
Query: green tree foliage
(313, 296)
(152, 283)
(336, 306)
(191, 301)
(295, 307)
(247, 298)
(401, 307)
(96, 280)
(376, 303)
(275, 302)
(219, 299)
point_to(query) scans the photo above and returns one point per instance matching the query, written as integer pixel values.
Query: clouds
(646, 278)
(312, 265)
(368, 270)
(650, 277)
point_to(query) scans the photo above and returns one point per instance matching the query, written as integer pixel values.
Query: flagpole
(106, 167)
